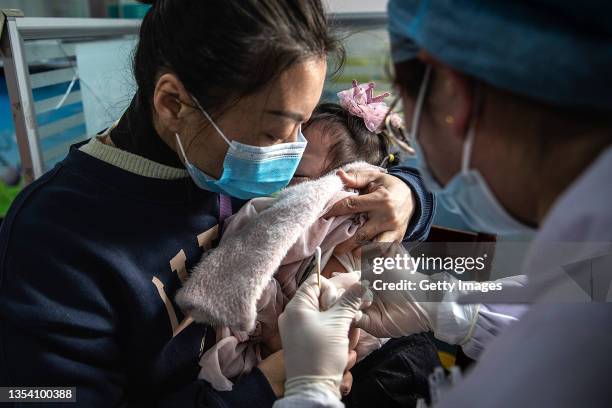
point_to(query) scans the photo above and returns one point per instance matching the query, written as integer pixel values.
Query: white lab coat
(559, 354)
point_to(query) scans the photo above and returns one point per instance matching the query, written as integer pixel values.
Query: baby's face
(314, 159)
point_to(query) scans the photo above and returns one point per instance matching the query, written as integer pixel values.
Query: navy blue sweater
(91, 257)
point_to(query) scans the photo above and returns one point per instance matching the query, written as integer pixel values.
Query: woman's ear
(168, 100)
(457, 92)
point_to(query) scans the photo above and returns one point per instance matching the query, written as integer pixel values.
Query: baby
(336, 138)
(359, 128)
(344, 135)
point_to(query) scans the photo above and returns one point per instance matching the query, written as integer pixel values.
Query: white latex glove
(342, 281)
(395, 313)
(399, 313)
(316, 343)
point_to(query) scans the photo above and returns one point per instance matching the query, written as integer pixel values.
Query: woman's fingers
(365, 233)
(346, 384)
(390, 236)
(352, 360)
(347, 378)
(353, 338)
(356, 204)
(359, 179)
(388, 205)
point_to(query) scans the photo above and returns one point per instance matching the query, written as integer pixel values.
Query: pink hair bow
(360, 101)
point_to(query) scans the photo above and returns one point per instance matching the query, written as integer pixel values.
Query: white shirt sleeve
(314, 397)
(492, 320)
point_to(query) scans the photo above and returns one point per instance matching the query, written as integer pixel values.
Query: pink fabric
(237, 352)
(225, 207)
(360, 101)
(223, 288)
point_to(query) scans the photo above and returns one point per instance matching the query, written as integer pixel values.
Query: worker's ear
(455, 95)
(171, 102)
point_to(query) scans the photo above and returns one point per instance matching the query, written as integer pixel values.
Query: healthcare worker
(511, 105)
(92, 253)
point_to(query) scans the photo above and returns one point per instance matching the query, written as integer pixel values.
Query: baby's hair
(352, 140)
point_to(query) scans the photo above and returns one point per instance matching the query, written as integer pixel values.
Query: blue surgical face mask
(467, 193)
(249, 171)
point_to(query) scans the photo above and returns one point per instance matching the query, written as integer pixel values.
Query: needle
(318, 262)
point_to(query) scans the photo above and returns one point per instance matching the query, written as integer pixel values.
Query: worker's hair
(351, 139)
(222, 50)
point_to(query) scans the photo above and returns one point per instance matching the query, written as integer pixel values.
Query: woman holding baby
(94, 252)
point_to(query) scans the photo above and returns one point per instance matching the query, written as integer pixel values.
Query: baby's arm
(333, 265)
(348, 262)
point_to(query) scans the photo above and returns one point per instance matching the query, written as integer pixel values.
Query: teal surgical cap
(557, 51)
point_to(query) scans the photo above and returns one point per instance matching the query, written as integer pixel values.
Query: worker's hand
(396, 313)
(394, 317)
(343, 281)
(361, 344)
(347, 379)
(315, 342)
(386, 200)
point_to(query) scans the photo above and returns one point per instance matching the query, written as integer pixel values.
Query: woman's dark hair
(223, 50)
(353, 141)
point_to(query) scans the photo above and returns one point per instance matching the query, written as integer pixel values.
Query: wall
(49, 8)
(356, 6)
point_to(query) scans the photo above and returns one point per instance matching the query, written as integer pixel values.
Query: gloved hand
(396, 313)
(341, 282)
(315, 342)
(365, 342)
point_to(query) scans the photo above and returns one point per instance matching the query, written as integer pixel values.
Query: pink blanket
(243, 285)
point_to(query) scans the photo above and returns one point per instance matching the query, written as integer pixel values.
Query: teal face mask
(249, 171)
